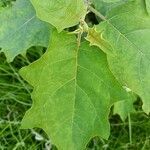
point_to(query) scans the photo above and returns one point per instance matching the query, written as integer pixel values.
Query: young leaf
(73, 93)
(20, 29)
(60, 13)
(127, 33)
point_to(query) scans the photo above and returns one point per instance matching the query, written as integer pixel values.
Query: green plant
(76, 82)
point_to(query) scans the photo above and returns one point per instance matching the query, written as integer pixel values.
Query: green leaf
(104, 6)
(73, 93)
(20, 29)
(60, 13)
(125, 107)
(127, 34)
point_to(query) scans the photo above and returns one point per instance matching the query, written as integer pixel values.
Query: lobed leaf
(127, 32)
(21, 29)
(73, 92)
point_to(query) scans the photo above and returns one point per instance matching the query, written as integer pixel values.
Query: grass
(15, 100)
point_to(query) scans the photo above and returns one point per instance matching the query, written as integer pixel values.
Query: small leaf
(123, 108)
(127, 30)
(20, 29)
(95, 38)
(60, 13)
(73, 93)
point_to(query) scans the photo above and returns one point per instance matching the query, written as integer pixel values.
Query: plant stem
(97, 13)
(130, 128)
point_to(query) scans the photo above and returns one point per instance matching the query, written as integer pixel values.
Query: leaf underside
(73, 92)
